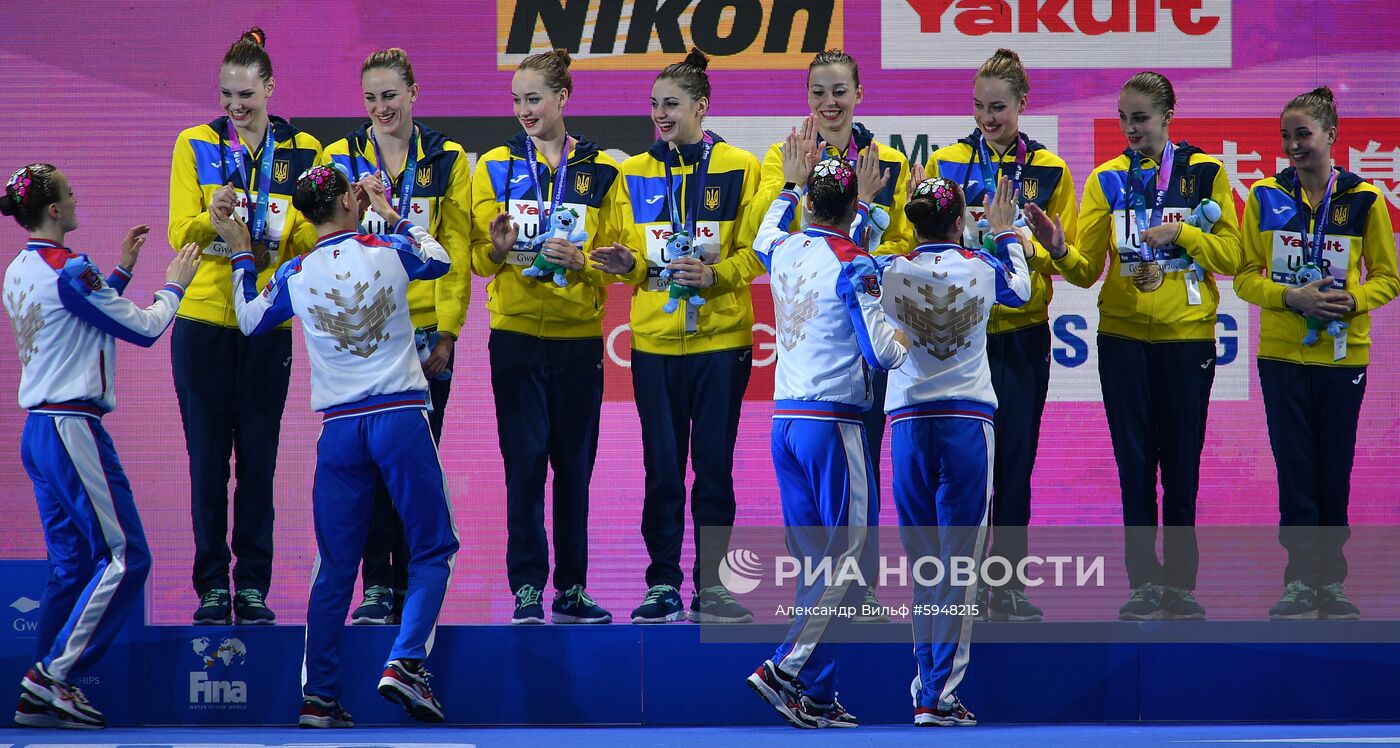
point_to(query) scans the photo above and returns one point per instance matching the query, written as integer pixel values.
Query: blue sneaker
(528, 609)
(249, 609)
(576, 606)
(215, 609)
(661, 605)
(376, 609)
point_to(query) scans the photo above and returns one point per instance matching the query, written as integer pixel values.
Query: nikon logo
(618, 35)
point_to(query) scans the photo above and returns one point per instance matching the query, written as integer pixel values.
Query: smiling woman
(231, 388)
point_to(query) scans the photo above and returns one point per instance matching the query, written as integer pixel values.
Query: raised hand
(373, 188)
(131, 246)
(870, 180)
(181, 269)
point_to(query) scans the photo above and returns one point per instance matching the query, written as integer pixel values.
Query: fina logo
(231, 651)
(739, 571)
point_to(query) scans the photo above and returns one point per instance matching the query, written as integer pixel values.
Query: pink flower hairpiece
(20, 182)
(322, 176)
(835, 170)
(938, 190)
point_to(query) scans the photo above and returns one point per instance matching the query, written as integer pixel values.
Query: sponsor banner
(616, 35)
(1251, 149)
(108, 683)
(1074, 350)
(925, 34)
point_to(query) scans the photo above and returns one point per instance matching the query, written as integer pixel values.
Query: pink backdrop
(102, 91)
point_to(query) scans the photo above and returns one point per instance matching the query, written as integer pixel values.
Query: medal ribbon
(1312, 253)
(1138, 201)
(258, 225)
(406, 179)
(702, 167)
(556, 198)
(989, 168)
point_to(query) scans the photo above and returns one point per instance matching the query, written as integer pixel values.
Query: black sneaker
(1299, 603)
(1333, 604)
(528, 608)
(69, 703)
(781, 692)
(215, 609)
(1013, 605)
(982, 604)
(405, 683)
(376, 608)
(955, 715)
(871, 611)
(576, 606)
(33, 711)
(249, 609)
(1179, 604)
(1145, 604)
(321, 713)
(826, 715)
(716, 605)
(661, 605)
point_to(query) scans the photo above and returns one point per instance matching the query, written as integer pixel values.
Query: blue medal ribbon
(1137, 200)
(406, 179)
(990, 169)
(556, 198)
(1312, 253)
(702, 168)
(258, 225)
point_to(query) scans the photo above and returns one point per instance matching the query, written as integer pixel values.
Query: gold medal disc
(1148, 277)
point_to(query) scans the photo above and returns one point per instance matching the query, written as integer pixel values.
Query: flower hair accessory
(322, 176)
(937, 190)
(19, 183)
(835, 170)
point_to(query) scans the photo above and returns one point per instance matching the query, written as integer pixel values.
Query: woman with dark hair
(684, 247)
(232, 388)
(831, 334)
(67, 320)
(942, 406)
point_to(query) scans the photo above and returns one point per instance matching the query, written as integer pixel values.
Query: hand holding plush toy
(564, 224)
(680, 245)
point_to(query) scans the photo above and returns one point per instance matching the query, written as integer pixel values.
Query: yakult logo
(1105, 33)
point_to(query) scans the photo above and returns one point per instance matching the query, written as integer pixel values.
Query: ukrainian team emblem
(425, 176)
(1030, 188)
(1340, 214)
(281, 170)
(583, 183)
(712, 198)
(1188, 185)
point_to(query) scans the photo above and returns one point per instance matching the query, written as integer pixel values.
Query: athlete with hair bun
(232, 388)
(1308, 232)
(368, 384)
(1018, 339)
(832, 334)
(691, 364)
(1157, 333)
(546, 343)
(429, 182)
(67, 320)
(942, 406)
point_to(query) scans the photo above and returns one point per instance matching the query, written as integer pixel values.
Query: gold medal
(1148, 277)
